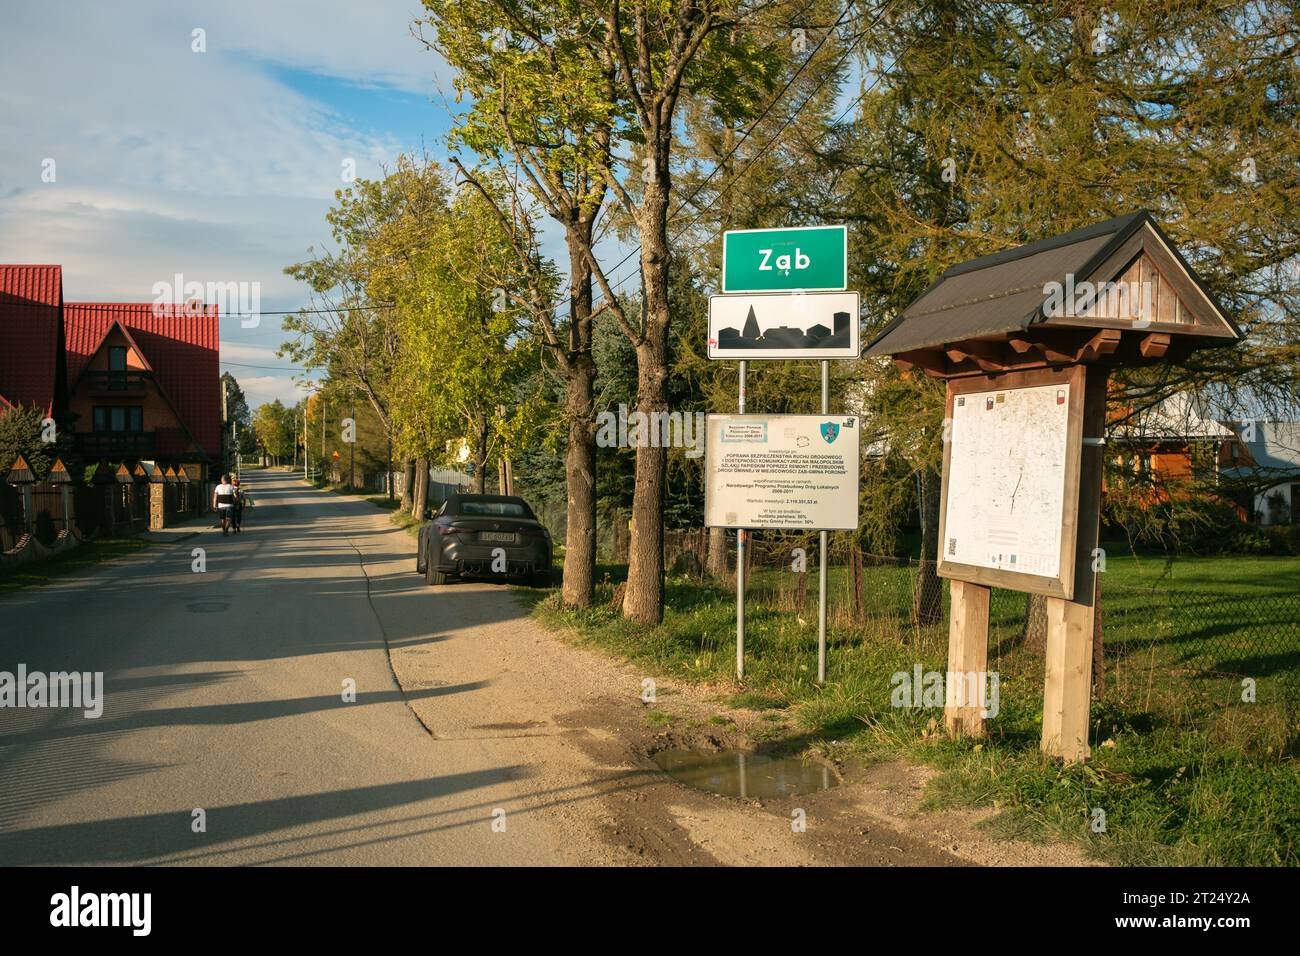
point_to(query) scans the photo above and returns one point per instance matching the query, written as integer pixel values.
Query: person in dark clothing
(238, 516)
(223, 499)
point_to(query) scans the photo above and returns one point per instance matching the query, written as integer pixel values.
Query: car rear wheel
(539, 579)
(432, 575)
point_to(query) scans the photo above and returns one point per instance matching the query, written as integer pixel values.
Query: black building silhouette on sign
(816, 336)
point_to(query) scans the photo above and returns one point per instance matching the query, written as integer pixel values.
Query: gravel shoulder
(573, 722)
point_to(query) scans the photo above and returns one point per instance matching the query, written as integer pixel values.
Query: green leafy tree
(22, 432)
(509, 57)
(464, 347)
(277, 429)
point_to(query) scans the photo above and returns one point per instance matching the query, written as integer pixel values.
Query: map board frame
(1062, 584)
(811, 425)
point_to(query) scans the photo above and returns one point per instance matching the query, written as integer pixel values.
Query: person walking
(237, 516)
(223, 499)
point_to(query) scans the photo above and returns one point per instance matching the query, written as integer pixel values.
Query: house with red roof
(144, 382)
(134, 381)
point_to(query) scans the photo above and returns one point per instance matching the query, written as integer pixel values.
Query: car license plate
(506, 537)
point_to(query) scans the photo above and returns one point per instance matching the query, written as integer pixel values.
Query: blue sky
(218, 164)
(214, 160)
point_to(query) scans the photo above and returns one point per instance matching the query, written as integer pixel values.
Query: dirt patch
(491, 684)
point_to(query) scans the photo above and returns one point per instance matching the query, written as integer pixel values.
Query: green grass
(1184, 770)
(85, 555)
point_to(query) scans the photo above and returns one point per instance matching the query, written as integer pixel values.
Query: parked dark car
(466, 531)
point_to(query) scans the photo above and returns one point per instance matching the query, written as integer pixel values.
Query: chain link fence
(1185, 634)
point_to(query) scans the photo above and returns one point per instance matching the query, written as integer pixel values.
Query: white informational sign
(784, 325)
(781, 471)
(1009, 457)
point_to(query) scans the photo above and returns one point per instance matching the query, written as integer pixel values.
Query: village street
(224, 692)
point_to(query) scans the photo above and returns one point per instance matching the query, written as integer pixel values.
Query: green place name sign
(812, 258)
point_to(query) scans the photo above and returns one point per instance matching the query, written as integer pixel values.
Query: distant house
(1256, 463)
(133, 381)
(1175, 440)
(1265, 459)
(144, 383)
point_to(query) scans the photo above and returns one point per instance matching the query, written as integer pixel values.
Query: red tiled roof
(182, 345)
(80, 360)
(30, 334)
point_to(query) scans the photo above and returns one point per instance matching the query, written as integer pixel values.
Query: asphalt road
(224, 692)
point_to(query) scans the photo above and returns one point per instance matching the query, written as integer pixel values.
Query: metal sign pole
(740, 557)
(824, 538)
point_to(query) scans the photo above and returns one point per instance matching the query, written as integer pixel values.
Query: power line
(745, 138)
(272, 368)
(177, 310)
(784, 126)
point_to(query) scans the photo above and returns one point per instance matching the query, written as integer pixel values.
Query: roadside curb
(155, 537)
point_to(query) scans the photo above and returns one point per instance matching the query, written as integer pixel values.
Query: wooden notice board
(1009, 508)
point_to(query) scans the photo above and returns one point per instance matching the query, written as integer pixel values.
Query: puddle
(734, 773)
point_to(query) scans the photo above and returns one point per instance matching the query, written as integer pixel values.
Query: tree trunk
(420, 494)
(408, 484)
(927, 599)
(644, 601)
(1034, 633)
(480, 455)
(580, 485)
(859, 603)
(717, 563)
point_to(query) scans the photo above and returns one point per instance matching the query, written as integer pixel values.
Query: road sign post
(740, 556)
(823, 543)
(785, 298)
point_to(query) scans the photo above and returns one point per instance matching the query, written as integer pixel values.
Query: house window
(117, 358)
(119, 418)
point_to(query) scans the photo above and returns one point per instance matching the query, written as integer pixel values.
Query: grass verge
(1184, 772)
(85, 555)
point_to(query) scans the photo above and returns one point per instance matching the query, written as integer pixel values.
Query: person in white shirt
(223, 499)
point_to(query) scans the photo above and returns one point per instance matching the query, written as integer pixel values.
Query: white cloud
(260, 389)
(250, 354)
(167, 160)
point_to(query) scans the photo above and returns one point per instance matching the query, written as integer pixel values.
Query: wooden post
(968, 654)
(1067, 686)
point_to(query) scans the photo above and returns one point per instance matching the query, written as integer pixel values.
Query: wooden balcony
(116, 444)
(118, 383)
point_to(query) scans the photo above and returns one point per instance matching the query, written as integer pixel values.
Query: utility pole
(352, 452)
(740, 550)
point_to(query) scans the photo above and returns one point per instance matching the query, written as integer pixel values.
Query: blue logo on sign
(830, 431)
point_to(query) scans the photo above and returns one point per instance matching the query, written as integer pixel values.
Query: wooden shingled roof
(999, 311)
